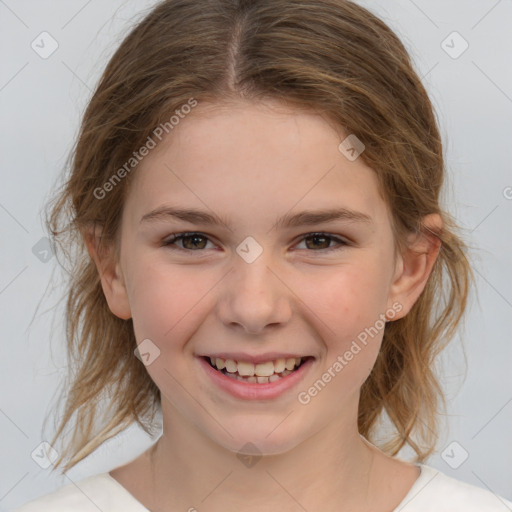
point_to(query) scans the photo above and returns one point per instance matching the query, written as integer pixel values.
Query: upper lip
(256, 358)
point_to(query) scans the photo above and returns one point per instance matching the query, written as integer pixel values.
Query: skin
(294, 298)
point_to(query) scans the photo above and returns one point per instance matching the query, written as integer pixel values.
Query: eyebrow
(304, 218)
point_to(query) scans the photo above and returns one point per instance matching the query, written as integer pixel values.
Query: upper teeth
(247, 369)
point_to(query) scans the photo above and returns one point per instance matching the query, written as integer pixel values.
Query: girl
(264, 259)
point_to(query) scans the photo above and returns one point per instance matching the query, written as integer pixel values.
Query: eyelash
(180, 236)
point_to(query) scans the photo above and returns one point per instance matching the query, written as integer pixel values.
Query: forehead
(240, 159)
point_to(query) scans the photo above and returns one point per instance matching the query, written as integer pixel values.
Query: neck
(189, 470)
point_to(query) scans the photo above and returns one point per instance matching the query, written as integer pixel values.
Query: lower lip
(254, 391)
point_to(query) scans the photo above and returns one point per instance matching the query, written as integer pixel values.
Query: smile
(260, 373)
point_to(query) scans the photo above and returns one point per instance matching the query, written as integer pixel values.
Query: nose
(254, 297)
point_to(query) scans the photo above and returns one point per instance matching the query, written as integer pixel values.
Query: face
(255, 280)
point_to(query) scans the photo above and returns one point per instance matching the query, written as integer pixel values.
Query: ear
(109, 269)
(414, 266)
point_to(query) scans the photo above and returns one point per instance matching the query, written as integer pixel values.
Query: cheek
(347, 307)
(165, 300)
(168, 305)
(347, 298)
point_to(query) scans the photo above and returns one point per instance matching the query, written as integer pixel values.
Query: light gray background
(41, 101)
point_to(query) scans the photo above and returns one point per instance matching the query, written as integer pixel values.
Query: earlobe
(109, 270)
(416, 264)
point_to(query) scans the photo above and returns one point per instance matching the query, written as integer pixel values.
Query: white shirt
(433, 491)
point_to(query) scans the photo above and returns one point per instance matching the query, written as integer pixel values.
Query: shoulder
(97, 492)
(435, 491)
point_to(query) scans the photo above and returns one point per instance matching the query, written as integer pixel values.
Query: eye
(321, 241)
(190, 241)
(198, 241)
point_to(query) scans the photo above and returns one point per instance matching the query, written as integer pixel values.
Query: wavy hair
(332, 57)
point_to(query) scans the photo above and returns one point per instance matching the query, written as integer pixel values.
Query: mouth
(257, 373)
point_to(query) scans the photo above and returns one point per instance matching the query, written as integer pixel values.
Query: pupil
(194, 239)
(319, 237)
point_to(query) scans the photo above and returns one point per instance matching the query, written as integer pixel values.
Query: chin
(257, 436)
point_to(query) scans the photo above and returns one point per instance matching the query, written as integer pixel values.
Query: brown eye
(318, 242)
(189, 241)
(322, 242)
(194, 242)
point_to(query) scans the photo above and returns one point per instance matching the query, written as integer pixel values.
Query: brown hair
(333, 57)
